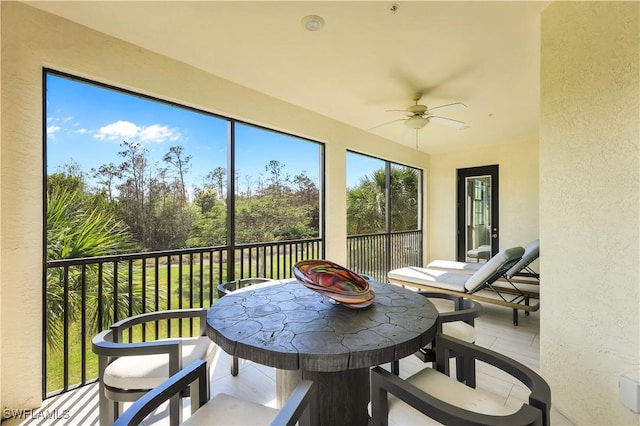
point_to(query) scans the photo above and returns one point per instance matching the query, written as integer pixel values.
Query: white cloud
(158, 133)
(126, 130)
(118, 130)
(82, 131)
(51, 130)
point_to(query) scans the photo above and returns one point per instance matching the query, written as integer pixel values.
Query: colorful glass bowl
(334, 281)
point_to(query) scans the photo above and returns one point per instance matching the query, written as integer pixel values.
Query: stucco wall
(31, 40)
(590, 206)
(518, 187)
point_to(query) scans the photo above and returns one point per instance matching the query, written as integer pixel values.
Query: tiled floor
(257, 382)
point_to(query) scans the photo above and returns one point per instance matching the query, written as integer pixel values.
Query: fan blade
(457, 124)
(384, 124)
(396, 110)
(454, 104)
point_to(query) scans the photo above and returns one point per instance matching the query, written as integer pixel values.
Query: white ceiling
(366, 60)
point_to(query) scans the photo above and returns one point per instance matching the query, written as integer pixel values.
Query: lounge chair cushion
(448, 390)
(431, 277)
(477, 280)
(141, 372)
(224, 409)
(454, 266)
(531, 253)
(482, 252)
(460, 282)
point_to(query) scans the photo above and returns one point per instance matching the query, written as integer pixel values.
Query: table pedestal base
(341, 396)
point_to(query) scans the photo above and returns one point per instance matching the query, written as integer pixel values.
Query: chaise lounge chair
(469, 285)
(520, 269)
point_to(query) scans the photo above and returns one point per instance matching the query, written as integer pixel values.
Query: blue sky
(87, 123)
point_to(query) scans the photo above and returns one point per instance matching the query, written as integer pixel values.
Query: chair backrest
(229, 286)
(531, 253)
(451, 402)
(120, 376)
(297, 409)
(494, 268)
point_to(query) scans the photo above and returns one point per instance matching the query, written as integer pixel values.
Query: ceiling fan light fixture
(313, 22)
(416, 122)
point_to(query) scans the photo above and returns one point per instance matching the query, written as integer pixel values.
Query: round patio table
(307, 336)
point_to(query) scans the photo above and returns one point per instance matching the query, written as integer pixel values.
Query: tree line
(139, 206)
(150, 207)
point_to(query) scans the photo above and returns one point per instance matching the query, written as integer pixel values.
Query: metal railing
(377, 254)
(86, 295)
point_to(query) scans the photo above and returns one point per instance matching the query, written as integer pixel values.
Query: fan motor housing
(418, 109)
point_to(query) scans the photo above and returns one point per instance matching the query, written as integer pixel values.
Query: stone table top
(290, 327)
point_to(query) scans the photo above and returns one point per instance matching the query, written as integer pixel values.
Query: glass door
(477, 213)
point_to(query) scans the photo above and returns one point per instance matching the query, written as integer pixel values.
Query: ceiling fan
(421, 115)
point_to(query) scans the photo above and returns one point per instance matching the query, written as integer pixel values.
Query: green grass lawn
(180, 298)
(183, 295)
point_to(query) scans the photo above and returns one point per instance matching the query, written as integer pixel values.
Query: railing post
(387, 219)
(231, 202)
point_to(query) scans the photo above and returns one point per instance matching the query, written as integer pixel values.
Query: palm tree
(404, 198)
(366, 203)
(80, 228)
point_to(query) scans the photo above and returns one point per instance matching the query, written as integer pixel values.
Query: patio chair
(432, 393)
(126, 371)
(231, 286)
(483, 252)
(520, 269)
(222, 409)
(458, 323)
(468, 285)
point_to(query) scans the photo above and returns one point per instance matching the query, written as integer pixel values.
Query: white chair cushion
(460, 330)
(448, 390)
(531, 253)
(476, 280)
(430, 277)
(224, 409)
(484, 251)
(148, 371)
(453, 266)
